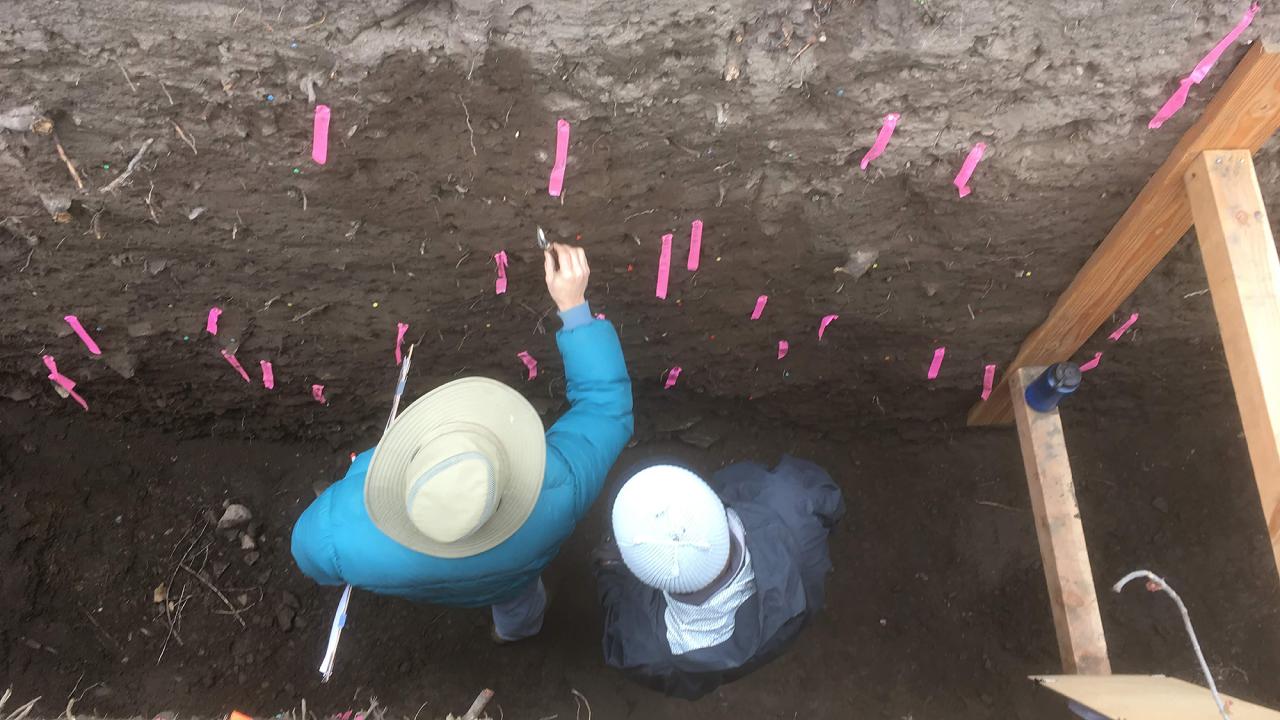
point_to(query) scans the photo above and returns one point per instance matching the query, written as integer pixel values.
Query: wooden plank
(1081, 642)
(1149, 697)
(1243, 114)
(1243, 268)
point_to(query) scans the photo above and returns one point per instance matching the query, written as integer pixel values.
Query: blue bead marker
(1056, 382)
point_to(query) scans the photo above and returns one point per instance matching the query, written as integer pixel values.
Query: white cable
(1155, 582)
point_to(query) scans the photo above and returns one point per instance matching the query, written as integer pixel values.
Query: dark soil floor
(937, 606)
(751, 116)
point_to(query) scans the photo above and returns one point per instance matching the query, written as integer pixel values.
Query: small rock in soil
(284, 617)
(251, 557)
(674, 422)
(123, 363)
(247, 542)
(699, 437)
(234, 516)
(159, 594)
(141, 329)
(290, 599)
(1160, 504)
(218, 567)
(860, 262)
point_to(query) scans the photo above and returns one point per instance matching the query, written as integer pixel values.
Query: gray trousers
(521, 616)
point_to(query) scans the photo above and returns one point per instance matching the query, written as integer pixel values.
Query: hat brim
(480, 401)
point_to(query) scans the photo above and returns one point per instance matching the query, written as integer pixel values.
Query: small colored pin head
(106, 166)
(185, 338)
(296, 171)
(375, 304)
(271, 98)
(293, 45)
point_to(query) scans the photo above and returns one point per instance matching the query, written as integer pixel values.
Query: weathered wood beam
(1072, 597)
(1243, 268)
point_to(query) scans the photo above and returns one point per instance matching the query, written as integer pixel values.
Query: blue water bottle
(1058, 381)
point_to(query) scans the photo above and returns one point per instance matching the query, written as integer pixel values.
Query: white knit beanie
(671, 529)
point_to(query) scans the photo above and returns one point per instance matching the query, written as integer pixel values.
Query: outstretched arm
(589, 437)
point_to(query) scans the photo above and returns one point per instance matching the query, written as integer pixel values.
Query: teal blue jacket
(335, 542)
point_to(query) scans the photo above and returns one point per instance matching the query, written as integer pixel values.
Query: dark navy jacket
(787, 514)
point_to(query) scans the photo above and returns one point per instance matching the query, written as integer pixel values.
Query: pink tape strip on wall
(759, 310)
(1091, 363)
(1123, 328)
(664, 267)
(822, 326)
(936, 365)
(695, 245)
(882, 139)
(530, 363)
(317, 393)
(74, 322)
(1201, 70)
(966, 170)
(783, 348)
(320, 135)
(500, 285)
(268, 374)
(235, 364)
(401, 328)
(672, 375)
(211, 324)
(988, 379)
(63, 381)
(555, 185)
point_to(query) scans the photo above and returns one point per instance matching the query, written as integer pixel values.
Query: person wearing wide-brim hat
(466, 499)
(704, 582)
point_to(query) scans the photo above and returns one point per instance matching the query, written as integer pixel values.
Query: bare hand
(567, 283)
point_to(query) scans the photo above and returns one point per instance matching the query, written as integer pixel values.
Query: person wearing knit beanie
(703, 582)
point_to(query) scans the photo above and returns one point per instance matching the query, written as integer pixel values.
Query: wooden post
(1244, 278)
(1081, 642)
(1243, 114)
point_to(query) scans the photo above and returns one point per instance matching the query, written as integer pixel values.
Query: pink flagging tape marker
(783, 348)
(966, 170)
(1201, 70)
(988, 379)
(530, 363)
(760, 303)
(664, 267)
(84, 335)
(672, 375)
(822, 326)
(317, 393)
(555, 185)
(211, 324)
(235, 364)
(401, 328)
(936, 365)
(882, 140)
(268, 374)
(1091, 363)
(1123, 328)
(695, 245)
(499, 285)
(63, 381)
(320, 135)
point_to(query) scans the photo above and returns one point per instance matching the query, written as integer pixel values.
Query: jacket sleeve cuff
(576, 316)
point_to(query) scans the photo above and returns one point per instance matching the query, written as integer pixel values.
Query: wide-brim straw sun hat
(459, 471)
